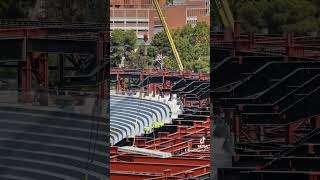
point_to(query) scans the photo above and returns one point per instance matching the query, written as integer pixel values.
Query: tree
(12, 9)
(57, 10)
(123, 45)
(70, 11)
(192, 44)
(275, 16)
(247, 11)
(290, 16)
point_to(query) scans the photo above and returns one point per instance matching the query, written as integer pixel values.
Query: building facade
(141, 16)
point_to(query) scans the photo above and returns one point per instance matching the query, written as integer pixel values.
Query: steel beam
(148, 167)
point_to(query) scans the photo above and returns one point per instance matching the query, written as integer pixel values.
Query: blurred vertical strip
(104, 13)
(212, 13)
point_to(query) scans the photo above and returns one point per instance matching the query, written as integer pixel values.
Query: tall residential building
(141, 16)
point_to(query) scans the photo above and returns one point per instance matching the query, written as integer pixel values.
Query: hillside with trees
(11, 9)
(276, 16)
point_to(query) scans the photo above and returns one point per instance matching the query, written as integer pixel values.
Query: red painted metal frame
(287, 44)
(181, 165)
(152, 87)
(42, 74)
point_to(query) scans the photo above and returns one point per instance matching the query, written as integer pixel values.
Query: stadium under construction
(265, 121)
(266, 88)
(255, 117)
(260, 104)
(177, 147)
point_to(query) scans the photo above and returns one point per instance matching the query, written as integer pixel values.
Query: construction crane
(226, 18)
(225, 13)
(167, 31)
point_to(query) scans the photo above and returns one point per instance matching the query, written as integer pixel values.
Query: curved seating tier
(130, 114)
(38, 145)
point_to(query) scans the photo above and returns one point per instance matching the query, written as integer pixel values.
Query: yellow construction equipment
(225, 13)
(167, 31)
(226, 18)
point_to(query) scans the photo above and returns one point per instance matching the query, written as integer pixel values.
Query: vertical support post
(26, 69)
(316, 122)
(311, 149)
(141, 79)
(61, 69)
(26, 74)
(164, 82)
(118, 85)
(124, 85)
(292, 50)
(290, 134)
(236, 38)
(44, 81)
(227, 34)
(149, 88)
(289, 39)
(236, 125)
(237, 30)
(251, 41)
(261, 133)
(154, 89)
(99, 61)
(229, 116)
(19, 76)
(44, 71)
(291, 129)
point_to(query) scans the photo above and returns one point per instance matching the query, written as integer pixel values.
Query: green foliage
(291, 15)
(123, 44)
(70, 11)
(155, 125)
(192, 44)
(251, 16)
(276, 16)
(57, 10)
(11, 9)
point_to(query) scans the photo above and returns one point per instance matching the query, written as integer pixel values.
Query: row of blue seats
(130, 115)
